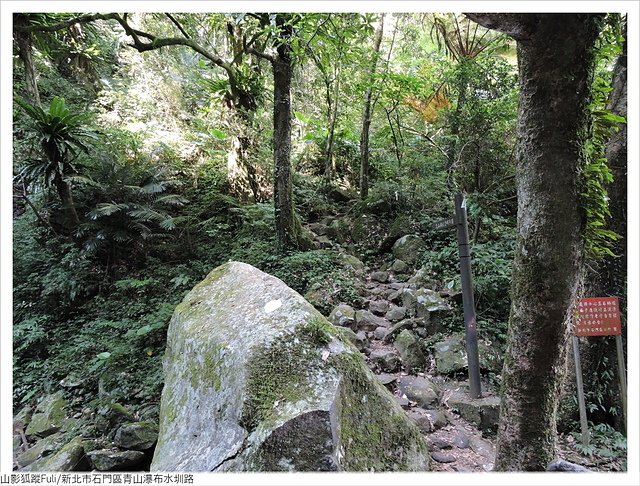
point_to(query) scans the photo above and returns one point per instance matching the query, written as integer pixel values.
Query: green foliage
(605, 444)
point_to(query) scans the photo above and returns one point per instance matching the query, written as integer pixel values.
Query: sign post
(598, 316)
(470, 326)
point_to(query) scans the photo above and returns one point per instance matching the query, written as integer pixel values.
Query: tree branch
(65, 23)
(177, 24)
(263, 55)
(518, 26)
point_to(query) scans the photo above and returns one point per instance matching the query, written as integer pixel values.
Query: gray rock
(424, 303)
(461, 440)
(323, 242)
(403, 402)
(395, 313)
(407, 248)
(379, 307)
(70, 458)
(419, 390)
(398, 327)
(482, 447)
(566, 466)
(318, 228)
(421, 420)
(343, 315)
(436, 444)
(137, 436)
(385, 360)
(48, 417)
(386, 379)
(450, 355)
(380, 332)
(110, 460)
(367, 321)
(399, 267)
(483, 412)
(111, 416)
(43, 447)
(381, 277)
(353, 262)
(437, 418)
(411, 353)
(257, 380)
(442, 457)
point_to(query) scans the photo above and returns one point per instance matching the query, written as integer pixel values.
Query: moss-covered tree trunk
(24, 42)
(366, 113)
(286, 227)
(555, 57)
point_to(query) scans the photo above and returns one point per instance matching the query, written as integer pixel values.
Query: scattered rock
(110, 460)
(385, 359)
(379, 307)
(437, 418)
(395, 313)
(318, 228)
(367, 321)
(422, 421)
(43, 447)
(450, 355)
(111, 416)
(407, 248)
(483, 412)
(386, 379)
(419, 390)
(482, 447)
(343, 315)
(381, 277)
(436, 443)
(257, 380)
(138, 436)
(352, 262)
(323, 242)
(398, 327)
(399, 267)
(425, 303)
(380, 332)
(461, 440)
(48, 417)
(411, 354)
(403, 402)
(442, 457)
(70, 458)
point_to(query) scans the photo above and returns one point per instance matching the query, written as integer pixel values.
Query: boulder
(343, 315)
(483, 412)
(110, 416)
(411, 353)
(48, 417)
(424, 303)
(137, 436)
(437, 418)
(407, 248)
(43, 447)
(381, 277)
(380, 332)
(395, 313)
(257, 380)
(353, 262)
(399, 266)
(110, 460)
(419, 390)
(359, 340)
(398, 327)
(450, 355)
(379, 307)
(421, 420)
(70, 458)
(386, 360)
(367, 321)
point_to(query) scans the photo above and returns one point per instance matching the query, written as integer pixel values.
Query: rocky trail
(385, 331)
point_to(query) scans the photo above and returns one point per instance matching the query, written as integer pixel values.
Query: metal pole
(471, 332)
(583, 410)
(622, 376)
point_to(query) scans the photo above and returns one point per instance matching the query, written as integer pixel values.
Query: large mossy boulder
(257, 380)
(49, 416)
(408, 248)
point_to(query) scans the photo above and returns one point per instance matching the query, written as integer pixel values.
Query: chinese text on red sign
(597, 316)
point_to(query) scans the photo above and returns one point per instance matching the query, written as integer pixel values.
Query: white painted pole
(623, 377)
(581, 406)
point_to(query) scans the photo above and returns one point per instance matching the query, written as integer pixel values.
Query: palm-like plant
(60, 134)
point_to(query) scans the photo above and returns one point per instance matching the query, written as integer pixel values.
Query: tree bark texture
(555, 57)
(286, 228)
(366, 113)
(25, 44)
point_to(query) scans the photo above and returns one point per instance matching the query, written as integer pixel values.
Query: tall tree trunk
(66, 197)
(332, 100)
(366, 113)
(555, 58)
(286, 222)
(25, 45)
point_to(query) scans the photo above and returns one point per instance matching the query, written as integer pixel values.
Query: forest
(235, 239)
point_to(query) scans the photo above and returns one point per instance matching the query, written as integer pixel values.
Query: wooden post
(580, 386)
(622, 377)
(471, 332)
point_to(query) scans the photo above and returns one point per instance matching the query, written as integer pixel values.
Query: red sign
(597, 316)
